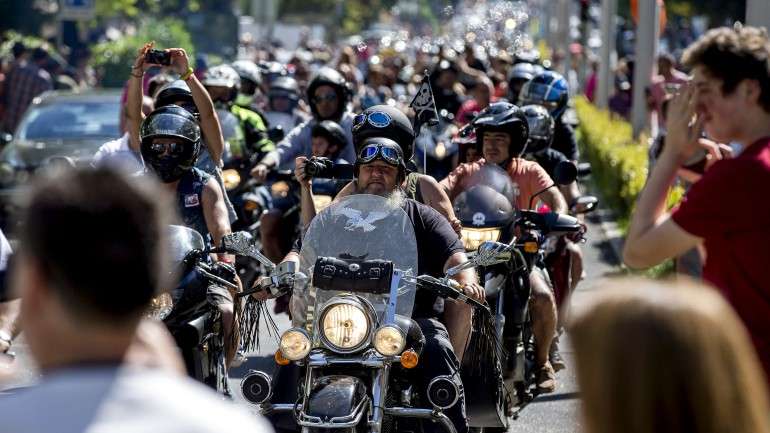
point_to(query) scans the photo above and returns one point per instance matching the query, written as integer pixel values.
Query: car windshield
(69, 119)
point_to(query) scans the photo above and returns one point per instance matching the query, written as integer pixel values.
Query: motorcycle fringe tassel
(484, 352)
(249, 315)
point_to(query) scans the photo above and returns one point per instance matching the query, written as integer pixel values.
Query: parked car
(56, 124)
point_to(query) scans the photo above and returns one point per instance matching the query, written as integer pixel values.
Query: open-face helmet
(503, 117)
(384, 121)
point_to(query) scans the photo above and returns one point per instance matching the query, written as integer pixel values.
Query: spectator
(23, 85)
(666, 82)
(592, 80)
(483, 95)
(85, 287)
(20, 54)
(730, 99)
(690, 366)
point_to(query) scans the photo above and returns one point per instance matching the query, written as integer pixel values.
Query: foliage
(618, 162)
(113, 59)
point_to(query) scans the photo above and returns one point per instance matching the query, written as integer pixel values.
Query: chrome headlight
(472, 238)
(344, 326)
(160, 307)
(295, 344)
(389, 341)
(231, 179)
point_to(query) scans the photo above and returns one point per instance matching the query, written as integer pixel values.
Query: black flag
(424, 106)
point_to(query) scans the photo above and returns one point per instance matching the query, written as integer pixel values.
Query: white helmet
(248, 70)
(222, 76)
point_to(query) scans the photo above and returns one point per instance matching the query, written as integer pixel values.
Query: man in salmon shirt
(502, 133)
(729, 98)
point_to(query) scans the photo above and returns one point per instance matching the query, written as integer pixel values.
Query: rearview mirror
(565, 173)
(5, 138)
(491, 253)
(241, 244)
(584, 204)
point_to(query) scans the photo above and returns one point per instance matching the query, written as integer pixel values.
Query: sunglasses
(378, 119)
(167, 148)
(387, 153)
(329, 97)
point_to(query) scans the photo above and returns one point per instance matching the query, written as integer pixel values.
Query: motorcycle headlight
(472, 238)
(344, 326)
(295, 344)
(389, 341)
(160, 307)
(231, 179)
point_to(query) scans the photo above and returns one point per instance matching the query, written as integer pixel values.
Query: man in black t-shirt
(380, 169)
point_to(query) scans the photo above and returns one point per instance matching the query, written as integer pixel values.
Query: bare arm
(215, 213)
(210, 127)
(436, 197)
(553, 198)
(459, 316)
(134, 96)
(652, 235)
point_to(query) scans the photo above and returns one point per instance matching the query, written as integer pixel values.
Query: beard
(394, 198)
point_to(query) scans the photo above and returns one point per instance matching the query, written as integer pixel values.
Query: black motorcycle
(187, 311)
(488, 213)
(346, 364)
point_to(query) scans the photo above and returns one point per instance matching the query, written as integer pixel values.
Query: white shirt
(122, 400)
(118, 154)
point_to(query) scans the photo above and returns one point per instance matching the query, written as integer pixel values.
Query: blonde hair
(667, 357)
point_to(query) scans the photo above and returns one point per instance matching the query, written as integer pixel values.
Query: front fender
(335, 396)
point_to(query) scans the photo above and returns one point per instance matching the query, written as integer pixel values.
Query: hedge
(618, 161)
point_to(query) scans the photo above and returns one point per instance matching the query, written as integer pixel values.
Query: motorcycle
(347, 362)
(190, 316)
(487, 212)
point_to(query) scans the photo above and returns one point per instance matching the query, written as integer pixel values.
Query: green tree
(113, 59)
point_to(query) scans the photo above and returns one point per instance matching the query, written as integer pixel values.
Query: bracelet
(186, 76)
(135, 75)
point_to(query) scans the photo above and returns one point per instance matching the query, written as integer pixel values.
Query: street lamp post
(608, 41)
(645, 53)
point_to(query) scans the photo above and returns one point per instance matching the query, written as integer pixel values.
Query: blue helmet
(548, 89)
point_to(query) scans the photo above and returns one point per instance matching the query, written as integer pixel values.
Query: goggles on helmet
(388, 153)
(378, 119)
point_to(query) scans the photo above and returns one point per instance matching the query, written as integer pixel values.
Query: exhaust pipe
(256, 387)
(443, 393)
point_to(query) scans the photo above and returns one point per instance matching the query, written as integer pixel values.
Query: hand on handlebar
(259, 172)
(473, 291)
(262, 294)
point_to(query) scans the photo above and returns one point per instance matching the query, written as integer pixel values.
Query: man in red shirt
(729, 98)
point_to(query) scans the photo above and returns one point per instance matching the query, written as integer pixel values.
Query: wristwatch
(7, 338)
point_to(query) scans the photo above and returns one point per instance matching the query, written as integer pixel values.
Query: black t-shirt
(436, 242)
(548, 159)
(564, 141)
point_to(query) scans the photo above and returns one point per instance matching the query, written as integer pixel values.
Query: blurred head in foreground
(664, 357)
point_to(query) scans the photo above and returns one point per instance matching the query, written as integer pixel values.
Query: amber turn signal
(530, 247)
(279, 358)
(409, 359)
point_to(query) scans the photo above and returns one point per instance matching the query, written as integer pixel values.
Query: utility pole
(758, 13)
(645, 52)
(604, 84)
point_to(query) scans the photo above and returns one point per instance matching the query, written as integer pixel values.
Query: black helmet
(384, 121)
(329, 77)
(382, 148)
(332, 131)
(174, 92)
(541, 127)
(170, 121)
(503, 117)
(548, 89)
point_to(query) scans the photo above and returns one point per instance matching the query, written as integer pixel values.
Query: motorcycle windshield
(181, 241)
(489, 200)
(363, 227)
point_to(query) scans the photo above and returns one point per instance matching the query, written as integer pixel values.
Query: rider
(251, 80)
(223, 82)
(501, 133)
(389, 122)
(381, 169)
(550, 89)
(329, 94)
(519, 75)
(283, 104)
(170, 143)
